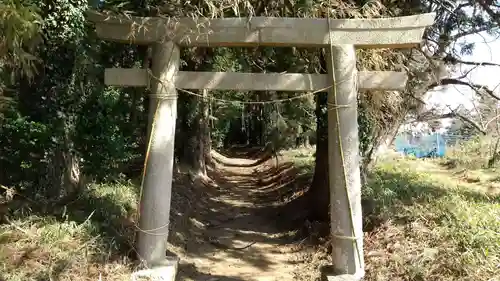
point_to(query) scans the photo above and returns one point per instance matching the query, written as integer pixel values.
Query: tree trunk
(63, 177)
(196, 143)
(197, 154)
(206, 139)
(319, 191)
(203, 137)
(495, 155)
(307, 142)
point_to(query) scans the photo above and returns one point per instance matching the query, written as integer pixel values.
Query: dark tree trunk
(205, 134)
(198, 149)
(189, 136)
(307, 142)
(256, 125)
(319, 193)
(198, 152)
(203, 137)
(195, 127)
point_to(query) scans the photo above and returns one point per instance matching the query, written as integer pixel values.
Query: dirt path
(239, 231)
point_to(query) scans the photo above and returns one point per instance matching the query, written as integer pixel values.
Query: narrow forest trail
(246, 224)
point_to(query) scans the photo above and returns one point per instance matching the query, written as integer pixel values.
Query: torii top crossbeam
(399, 32)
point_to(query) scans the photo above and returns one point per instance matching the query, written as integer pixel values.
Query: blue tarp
(432, 145)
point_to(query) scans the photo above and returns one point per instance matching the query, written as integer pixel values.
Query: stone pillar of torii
(339, 38)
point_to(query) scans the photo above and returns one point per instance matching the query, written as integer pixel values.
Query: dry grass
(85, 240)
(303, 158)
(432, 227)
(426, 225)
(91, 238)
(472, 154)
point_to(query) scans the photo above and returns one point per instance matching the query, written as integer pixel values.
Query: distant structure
(421, 146)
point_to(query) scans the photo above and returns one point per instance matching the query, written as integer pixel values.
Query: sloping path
(246, 223)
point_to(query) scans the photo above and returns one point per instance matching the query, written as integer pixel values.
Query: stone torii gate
(339, 37)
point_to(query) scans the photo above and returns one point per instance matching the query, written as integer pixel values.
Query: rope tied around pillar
(153, 230)
(164, 97)
(344, 237)
(334, 106)
(163, 82)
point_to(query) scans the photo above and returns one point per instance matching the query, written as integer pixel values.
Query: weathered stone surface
(399, 32)
(295, 82)
(163, 271)
(345, 277)
(157, 182)
(344, 162)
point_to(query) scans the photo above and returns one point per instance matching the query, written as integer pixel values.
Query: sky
(487, 49)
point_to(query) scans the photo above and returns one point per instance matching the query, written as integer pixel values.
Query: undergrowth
(471, 154)
(430, 227)
(87, 239)
(303, 159)
(425, 223)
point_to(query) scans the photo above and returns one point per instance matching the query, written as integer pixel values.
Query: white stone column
(344, 164)
(157, 182)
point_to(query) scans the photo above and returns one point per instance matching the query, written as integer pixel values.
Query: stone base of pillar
(329, 273)
(345, 277)
(165, 270)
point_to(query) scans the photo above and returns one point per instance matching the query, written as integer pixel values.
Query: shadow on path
(245, 227)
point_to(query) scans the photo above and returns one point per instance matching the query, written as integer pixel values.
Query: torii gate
(340, 38)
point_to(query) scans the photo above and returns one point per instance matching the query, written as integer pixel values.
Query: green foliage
(470, 154)
(24, 144)
(258, 122)
(20, 28)
(66, 111)
(439, 228)
(366, 128)
(104, 127)
(101, 138)
(64, 20)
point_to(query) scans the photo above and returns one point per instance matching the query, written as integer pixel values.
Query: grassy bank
(87, 239)
(425, 222)
(428, 225)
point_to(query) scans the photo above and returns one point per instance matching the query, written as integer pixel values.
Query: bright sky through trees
(487, 49)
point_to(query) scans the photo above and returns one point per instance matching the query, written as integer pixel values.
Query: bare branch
(468, 32)
(476, 87)
(431, 116)
(452, 114)
(491, 120)
(494, 16)
(419, 100)
(471, 122)
(454, 60)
